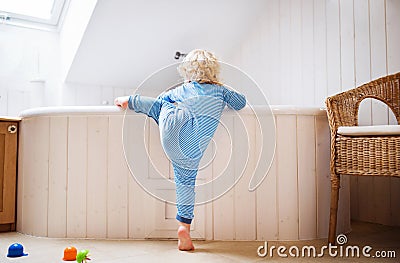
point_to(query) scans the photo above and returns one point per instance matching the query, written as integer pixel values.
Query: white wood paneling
(266, 196)
(286, 155)
(285, 67)
(97, 181)
(333, 50)
(224, 225)
(205, 175)
(306, 175)
(140, 225)
(362, 56)
(58, 143)
(77, 176)
(307, 93)
(361, 42)
(294, 63)
(22, 138)
(244, 146)
(365, 112)
(380, 113)
(335, 34)
(270, 41)
(224, 214)
(378, 38)
(322, 153)
(267, 206)
(101, 199)
(118, 182)
(138, 159)
(36, 177)
(347, 44)
(320, 53)
(393, 35)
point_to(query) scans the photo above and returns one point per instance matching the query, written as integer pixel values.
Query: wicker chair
(369, 155)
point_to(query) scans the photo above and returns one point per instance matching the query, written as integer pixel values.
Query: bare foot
(185, 242)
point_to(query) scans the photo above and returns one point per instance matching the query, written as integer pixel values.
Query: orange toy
(70, 254)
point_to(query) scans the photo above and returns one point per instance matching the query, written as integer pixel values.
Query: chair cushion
(378, 130)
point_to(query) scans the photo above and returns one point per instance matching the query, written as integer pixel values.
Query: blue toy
(16, 250)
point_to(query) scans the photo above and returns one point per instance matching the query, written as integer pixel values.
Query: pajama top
(195, 119)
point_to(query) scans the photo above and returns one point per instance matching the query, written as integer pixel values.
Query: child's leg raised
(147, 105)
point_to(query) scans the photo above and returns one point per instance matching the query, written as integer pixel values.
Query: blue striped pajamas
(186, 129)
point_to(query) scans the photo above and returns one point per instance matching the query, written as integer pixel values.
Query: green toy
(82, 256)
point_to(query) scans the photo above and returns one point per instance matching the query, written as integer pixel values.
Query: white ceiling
(127, 40)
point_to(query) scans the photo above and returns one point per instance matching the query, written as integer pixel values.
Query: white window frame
(51, 24)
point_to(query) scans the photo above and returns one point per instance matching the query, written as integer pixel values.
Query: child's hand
(122, 102)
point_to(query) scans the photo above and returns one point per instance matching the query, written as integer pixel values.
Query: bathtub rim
(114, 110)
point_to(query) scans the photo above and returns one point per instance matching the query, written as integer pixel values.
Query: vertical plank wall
(58, 150)
(373, 59)
(74, 180)
(311, 49)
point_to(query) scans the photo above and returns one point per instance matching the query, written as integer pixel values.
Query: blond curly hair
(201, 66)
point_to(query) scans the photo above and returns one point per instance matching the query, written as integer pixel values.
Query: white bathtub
(73, 180)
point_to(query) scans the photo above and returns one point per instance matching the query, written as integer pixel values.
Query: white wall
(299, 52)
(26, 55)
(34, 64)
(74, 26)
(305, 50)
(127, 40)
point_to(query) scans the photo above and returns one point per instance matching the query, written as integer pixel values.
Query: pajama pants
(183, 142)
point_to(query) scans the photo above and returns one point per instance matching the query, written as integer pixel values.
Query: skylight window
(39, 8)
(31, 13)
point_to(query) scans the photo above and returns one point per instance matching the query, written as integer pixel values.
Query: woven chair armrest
(342, 108)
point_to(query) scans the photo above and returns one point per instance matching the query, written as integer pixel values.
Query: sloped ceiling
(127, 40)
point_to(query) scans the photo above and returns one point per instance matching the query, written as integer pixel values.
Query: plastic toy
(70, 254)
(82, 256)
(16, 250)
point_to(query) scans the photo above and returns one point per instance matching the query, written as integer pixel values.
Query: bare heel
(185, 242)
